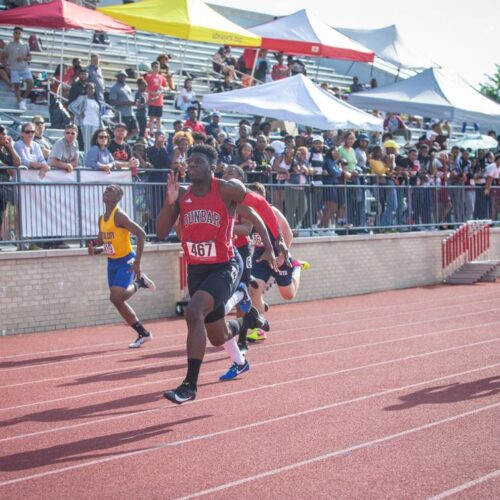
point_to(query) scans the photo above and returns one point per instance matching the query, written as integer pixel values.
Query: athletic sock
(235, 299)
(139, 328)
(296, 272)
(231, 347)
(193, 372)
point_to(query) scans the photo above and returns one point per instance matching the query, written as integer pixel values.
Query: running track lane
(292, 439)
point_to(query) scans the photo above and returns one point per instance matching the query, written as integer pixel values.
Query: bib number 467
(201, 250)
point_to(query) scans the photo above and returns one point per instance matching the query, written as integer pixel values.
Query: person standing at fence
(8, 158)
(99, 156)
(64, 154)
(118, 146)
(29, 151)
(125, 276)
(18, 57)
(39, 137)
(492, 187)
(205, 212)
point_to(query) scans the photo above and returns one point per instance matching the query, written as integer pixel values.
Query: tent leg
(61, 70)
(254, 67)
(397, 74)
(136, 55)
(317, 69)
(350, 67)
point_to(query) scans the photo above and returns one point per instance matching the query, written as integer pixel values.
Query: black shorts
(219, 280)
(245, 253)
(155, 111)
(131, 122)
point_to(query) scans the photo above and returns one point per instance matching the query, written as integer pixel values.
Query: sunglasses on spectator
(28, 132)
(102, 137)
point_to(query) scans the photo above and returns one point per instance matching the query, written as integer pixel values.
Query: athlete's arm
(235, 191)
(169, 213)
(95, 247)
(123, 220)
(284, 226)
(244, 228)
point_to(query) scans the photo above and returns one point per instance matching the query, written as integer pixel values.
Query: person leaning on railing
(29, 151)
(64, 154)
(8, 158)
(99, 157)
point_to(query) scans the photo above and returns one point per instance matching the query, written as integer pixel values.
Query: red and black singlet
(206, 227)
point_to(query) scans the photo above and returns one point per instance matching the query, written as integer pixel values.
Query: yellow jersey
(116, 239)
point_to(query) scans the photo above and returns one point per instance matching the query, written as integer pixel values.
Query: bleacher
(192, 57)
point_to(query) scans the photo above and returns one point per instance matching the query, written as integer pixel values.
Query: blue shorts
(120, 271)
(15, 76)
(262, 271)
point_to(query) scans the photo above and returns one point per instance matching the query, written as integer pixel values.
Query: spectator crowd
(331, 181)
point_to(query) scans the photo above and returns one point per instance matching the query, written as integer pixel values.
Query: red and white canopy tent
(302, 33)
(62, 15)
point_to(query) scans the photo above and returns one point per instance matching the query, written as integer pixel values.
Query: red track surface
(388, 395)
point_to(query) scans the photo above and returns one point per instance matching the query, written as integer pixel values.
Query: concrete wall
(47, 290)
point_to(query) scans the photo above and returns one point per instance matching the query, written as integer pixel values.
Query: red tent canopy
(302, 33)
(60, 15)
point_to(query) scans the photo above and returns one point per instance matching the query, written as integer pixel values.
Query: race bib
(204, 251)
(109, 249)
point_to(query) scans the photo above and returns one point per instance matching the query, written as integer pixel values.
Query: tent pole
(317, 68)
(254, 66)
(136, 54)
(350, 67)
(52, 50)
(397, 74)
(183, 55)
(61, 70)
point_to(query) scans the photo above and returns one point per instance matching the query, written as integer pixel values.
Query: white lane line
(292, 358)
(294, 329)
(278, 384)
(381, 307)
(337, 453)
(239, 429)
(467, 485)
(265, 346)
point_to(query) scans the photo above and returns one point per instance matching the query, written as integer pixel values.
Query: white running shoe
(140, 340)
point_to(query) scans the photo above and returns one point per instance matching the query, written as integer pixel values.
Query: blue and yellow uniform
(118, 248)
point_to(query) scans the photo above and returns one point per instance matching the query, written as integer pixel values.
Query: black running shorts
(219, 280)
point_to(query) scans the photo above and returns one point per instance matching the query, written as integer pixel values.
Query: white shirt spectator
(28, 155)
(492, 170)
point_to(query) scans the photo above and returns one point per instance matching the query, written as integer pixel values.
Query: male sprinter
(206, 214)
(123, 263)
(287, 276)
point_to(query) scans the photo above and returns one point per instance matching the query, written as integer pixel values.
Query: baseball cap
(229, 140)
(216, 113)
(119, 125)
(316, 138)
(121, 73)
(363, 137)
(279, 147)
(391, 144)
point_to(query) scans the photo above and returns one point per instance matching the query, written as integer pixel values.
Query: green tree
(491, 88)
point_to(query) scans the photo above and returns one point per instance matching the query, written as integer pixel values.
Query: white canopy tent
(389, 45)
(295, 99)
(433, 93)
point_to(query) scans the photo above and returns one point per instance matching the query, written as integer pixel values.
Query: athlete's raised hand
(172, 188)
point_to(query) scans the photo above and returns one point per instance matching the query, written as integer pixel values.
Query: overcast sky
(457, 34)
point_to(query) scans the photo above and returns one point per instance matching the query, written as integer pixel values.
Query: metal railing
(36, 210)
